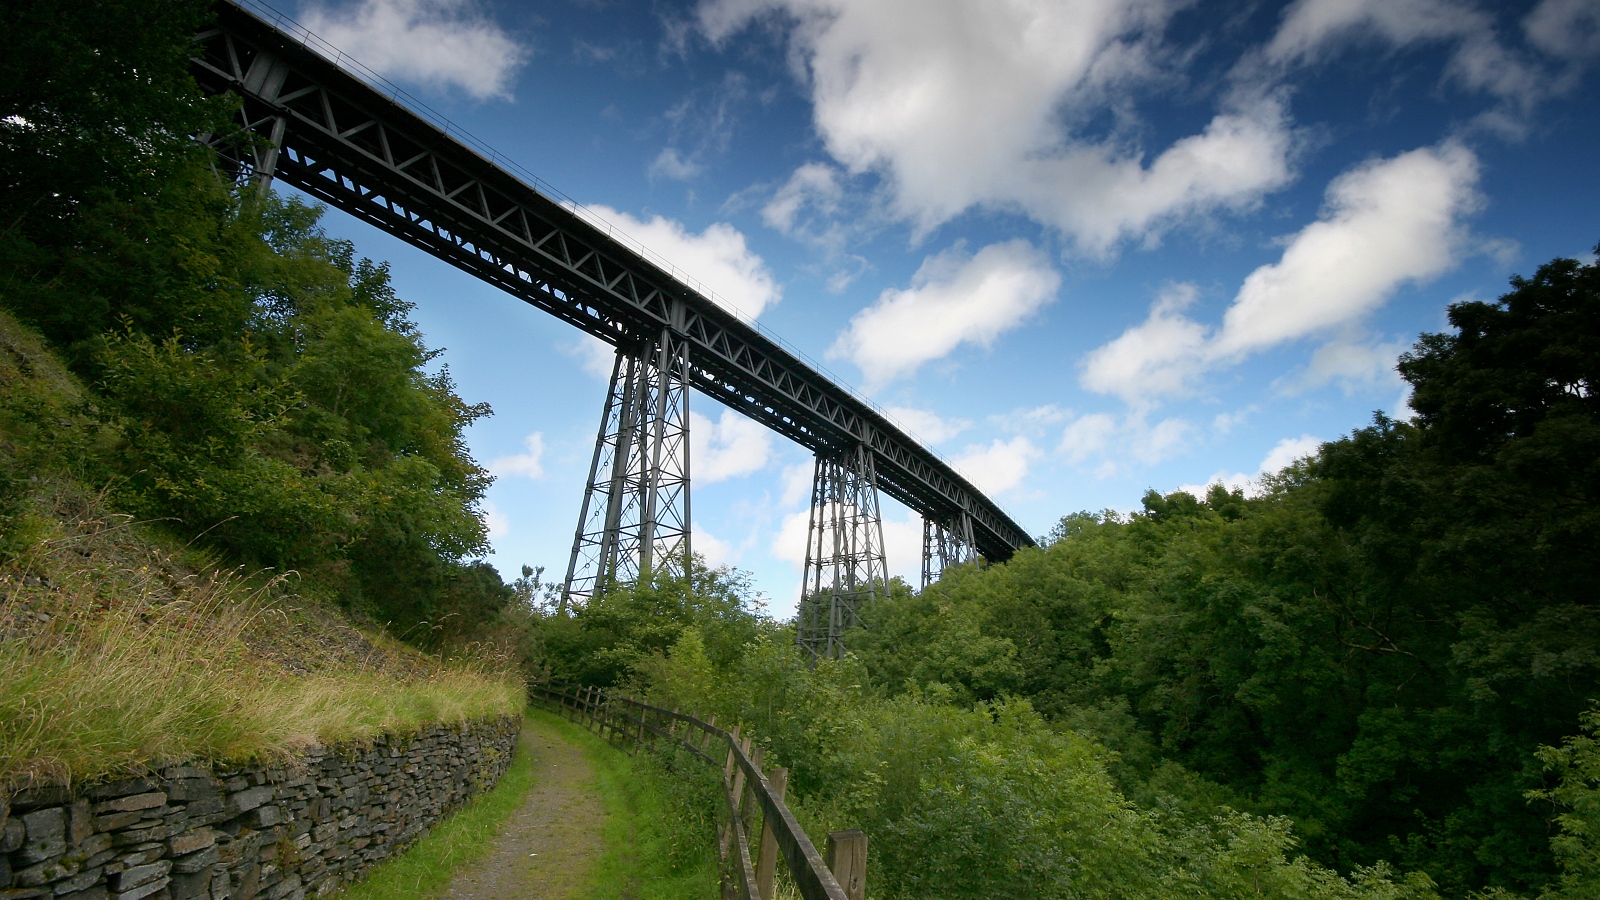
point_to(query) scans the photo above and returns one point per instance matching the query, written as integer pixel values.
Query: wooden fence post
(847, 859)
(767, 863)
(748, 801)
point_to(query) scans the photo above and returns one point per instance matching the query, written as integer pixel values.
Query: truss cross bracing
(945, 543)
(635, 516)
(354, 144)
(845, 570)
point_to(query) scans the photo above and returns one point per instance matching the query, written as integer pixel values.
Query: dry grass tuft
(117, 655)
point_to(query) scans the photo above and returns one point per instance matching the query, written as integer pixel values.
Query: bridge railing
(747, 791)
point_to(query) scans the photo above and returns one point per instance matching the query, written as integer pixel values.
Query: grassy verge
(118, 652)
(425, 868)
(659, 837)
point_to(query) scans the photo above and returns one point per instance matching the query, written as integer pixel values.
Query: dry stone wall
(269, 832)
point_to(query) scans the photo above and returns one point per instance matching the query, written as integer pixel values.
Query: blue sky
(1083, 248)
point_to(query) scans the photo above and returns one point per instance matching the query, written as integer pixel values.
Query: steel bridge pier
(635, 514)
(845, 569)
(946, 543)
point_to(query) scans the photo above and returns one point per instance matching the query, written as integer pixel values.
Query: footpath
(547, 848)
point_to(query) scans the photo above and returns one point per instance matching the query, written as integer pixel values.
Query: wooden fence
(746, 790)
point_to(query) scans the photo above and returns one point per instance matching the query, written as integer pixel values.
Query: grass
(426, 867)
(117, 655)
(659, 843)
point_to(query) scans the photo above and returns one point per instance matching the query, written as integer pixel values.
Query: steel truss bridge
(314, 125)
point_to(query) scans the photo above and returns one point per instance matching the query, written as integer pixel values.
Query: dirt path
(548, 845)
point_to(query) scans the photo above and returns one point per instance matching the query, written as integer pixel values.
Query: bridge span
(355, 145)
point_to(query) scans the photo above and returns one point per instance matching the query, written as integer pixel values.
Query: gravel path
(548, 845)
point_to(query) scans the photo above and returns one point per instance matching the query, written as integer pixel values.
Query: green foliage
(605, 642)
(249, 380)
(1375, 647)
(1576, 763)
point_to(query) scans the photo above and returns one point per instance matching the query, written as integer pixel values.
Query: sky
(1081, 248)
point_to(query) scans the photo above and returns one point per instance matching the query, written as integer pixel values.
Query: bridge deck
(346, 143)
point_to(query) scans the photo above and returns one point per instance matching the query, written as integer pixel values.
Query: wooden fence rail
(746, 789)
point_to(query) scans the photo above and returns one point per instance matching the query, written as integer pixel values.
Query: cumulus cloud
(795, 483)
(954, 299)
(594, 356)
(1112, 441)
(1158, 357)
(437, 43)
(522, 465)
(715, 550)
(727, 448)
(1086, 436)
(496, 522)
(1280, 457)
(715, 260)
(998, 466)
(927, 425)
(960, 105)
(1386, 223)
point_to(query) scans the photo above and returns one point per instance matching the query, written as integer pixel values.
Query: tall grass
(116, 657)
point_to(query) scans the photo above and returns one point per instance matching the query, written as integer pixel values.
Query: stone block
(264, 817)
(47, 834)
(5, 872)
(190, 841)
(12, 835)
(143, 890)
(191, 886)
(34, 798)
(46, 872)
(250, 798)
(113, 789)
(80, 882)
(138, 876)
(93, 892)
(117, 821)
(201, 861)
(148, 800)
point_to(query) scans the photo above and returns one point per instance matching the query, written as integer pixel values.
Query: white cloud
(438, 43)
(594, 356)
(1159, 442)
(960, 104)
(789, 544)
(1288, 451)
(1481, 61)
(1158, 357)
(1087, 436)
(524, 465)
(1569, 29)
(796, 483)
(954, 299)
(716, 551)
(1357, 365)
(715, 260)
(497, 522)
(727, 448)
(1386, 223)
(669, 164)
(813, 185)
(926, 425)
(1284, 453)
(999, 466)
